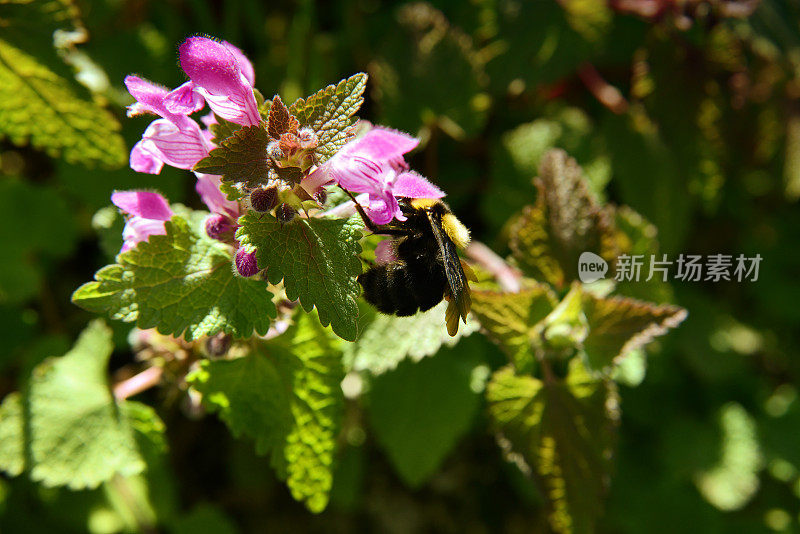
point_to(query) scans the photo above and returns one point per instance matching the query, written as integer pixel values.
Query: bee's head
(455, 229)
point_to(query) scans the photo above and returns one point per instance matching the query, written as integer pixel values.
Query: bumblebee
(426, 267)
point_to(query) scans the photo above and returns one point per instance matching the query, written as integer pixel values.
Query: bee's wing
(459, 301)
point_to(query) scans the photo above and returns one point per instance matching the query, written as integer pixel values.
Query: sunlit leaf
(181, 283)
(316, 258)
(560, 432)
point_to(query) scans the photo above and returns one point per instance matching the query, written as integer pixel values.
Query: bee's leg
(371, 226)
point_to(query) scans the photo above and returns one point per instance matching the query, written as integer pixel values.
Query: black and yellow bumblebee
(426, 266)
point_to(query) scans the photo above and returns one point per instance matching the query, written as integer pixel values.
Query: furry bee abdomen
(401, 288)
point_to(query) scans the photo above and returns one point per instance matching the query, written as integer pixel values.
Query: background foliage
(687, 112)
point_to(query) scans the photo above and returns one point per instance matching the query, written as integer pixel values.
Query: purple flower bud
(220, 227)
(285, 213)
(264, 199)
(246, 264)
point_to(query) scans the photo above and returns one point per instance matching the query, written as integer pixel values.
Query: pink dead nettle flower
(220, 75)
(373, 165)
(147, 212)
(174, 139)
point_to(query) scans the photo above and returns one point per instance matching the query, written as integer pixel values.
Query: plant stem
(138, 383)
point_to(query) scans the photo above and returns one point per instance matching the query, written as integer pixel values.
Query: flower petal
(138, 229)
(413, 185)
(357, 174)
(382, 144)
(177, 147)
(184, 100)
(244, 64)
(146, 204)
(208, 188)
(143, 160)
(150, 99)
(383, 208)
(217, 73)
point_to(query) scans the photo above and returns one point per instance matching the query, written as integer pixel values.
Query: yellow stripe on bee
(424, 203)
(457, 232)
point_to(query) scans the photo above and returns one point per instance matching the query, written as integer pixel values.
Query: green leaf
(68, 430)
(316, 258)
(420, 410)
(618, 325)
(241, 158)
(329, 112)
(181, 283)
(566, 221)
(287, 396)
(510, 319)
(40, 102)
(223, 129)
(12, 435)
(386, 340)
(562, 433)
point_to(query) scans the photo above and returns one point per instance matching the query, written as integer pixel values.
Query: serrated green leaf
(241, 158)
(40, 102)
(287, 396)
(181, 283)
(329, 112)
(566, 221)
(316, 258)
(562, 433)
(280, 120)
(76, 434)
(223, 129)
(618, 325)
(386, 340)
(420, 410)
(510, 319)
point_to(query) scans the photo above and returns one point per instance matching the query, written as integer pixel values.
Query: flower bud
(274, 151)
(285, 213)
(220, 227)
(246, 264)
(218, 345)
(307, 138)
(264, 199)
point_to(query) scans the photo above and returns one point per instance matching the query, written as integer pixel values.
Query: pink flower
(207, 187)
(174, 139)
(374, 165)
(147, 212)
(219, 73)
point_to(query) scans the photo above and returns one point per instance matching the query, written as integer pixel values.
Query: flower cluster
(221, 77)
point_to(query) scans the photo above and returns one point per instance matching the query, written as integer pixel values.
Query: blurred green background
(687, 111)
